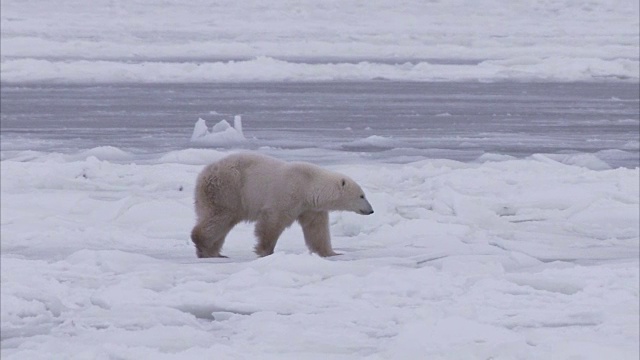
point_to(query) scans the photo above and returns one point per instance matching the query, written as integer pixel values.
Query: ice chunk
(372, 142)
(588, 161)
(199, 130)
(221, 133)
(237, 124)
(487, 157)
(222, 126)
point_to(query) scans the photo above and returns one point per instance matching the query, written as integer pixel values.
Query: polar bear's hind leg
(209, 234)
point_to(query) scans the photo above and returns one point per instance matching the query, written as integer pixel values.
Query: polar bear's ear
(344, 182)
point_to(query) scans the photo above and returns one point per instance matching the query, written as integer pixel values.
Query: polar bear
(274, 194)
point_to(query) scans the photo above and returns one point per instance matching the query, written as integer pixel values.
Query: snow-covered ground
(204, 41)
(501, 258)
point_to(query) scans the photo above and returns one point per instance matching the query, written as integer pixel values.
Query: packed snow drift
(198, 41)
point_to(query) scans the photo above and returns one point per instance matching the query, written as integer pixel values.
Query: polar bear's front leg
(315, 227)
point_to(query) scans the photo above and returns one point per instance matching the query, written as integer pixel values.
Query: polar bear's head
(344, 194)
(353, 198)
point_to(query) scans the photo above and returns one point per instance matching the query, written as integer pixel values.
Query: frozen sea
(498, 142)
(333, 121)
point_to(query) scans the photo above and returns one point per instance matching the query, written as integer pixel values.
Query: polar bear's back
(241, 183)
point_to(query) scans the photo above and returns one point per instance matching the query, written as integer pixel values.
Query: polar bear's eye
(343, 182)
(361, 196)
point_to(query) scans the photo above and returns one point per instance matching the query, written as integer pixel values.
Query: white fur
(274, 194)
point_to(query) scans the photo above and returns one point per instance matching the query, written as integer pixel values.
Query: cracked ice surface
(511, 258)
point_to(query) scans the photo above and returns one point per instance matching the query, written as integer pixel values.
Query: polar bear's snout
(365, 208)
